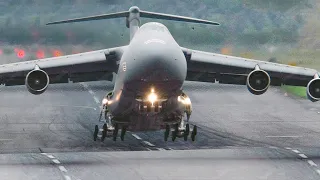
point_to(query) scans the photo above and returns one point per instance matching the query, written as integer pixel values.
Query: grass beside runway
(295, 90)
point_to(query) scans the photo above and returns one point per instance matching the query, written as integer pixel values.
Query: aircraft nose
(159, 64)
(162, 65)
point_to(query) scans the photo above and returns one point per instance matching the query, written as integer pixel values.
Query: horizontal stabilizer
(136, 10)
(91, 18)
(154, 15)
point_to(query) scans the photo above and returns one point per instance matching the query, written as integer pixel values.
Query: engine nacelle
(313, 90)
(258, 81)
(37, 81)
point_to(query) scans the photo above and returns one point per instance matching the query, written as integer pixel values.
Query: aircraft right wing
(82, 67)
(212, 67)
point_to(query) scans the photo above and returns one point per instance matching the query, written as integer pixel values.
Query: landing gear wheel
(175, 132)
(186, 132)
(104, 132)
(123, 132)
(95, 133)
(166, 133)
(194, 133)
(115, 132)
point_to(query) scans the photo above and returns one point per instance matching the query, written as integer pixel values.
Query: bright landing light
(104, 101)
(152, 97)
(185, 101)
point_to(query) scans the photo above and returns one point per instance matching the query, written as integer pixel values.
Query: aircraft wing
(82, 67)
(212, 67)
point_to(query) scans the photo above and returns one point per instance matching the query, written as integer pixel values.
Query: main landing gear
(108, 129)
(180, 131)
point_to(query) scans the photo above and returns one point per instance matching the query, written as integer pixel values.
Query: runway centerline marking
(96, 99)
(303, 156)
(295, 150)
(309, 161)
(61, 168)
(56, 161)
(50, 156)
(91, 92)
(148, 143)
(312, 163)
(136, 136)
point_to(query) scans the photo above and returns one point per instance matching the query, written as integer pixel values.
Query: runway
(241, 136)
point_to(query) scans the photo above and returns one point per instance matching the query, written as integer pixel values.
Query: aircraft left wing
(213, 67)
(82, 67)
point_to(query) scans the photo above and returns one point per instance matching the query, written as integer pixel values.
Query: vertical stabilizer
(133, 20)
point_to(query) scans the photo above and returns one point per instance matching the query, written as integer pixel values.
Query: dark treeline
(246, 22)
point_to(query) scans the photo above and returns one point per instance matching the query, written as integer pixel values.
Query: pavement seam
(62, 169)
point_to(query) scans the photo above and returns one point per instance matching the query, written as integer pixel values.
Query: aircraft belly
(128, 112)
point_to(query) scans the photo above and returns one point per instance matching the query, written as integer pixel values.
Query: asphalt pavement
(240, 136)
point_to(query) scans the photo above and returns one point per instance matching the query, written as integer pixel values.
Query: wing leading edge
(82, 67)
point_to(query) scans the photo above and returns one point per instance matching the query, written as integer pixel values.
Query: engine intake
(37, 81)
(258, 81)
(313, 90)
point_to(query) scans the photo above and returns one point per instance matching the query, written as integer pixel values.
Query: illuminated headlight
(104, 101)
(152, 97)
(185, 101)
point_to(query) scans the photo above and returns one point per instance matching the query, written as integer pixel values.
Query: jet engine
(313, 90)
(37, 81)
(258, 81)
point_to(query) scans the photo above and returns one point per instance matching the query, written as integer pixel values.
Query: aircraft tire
(123, 133)
(194, 133)
(166, 133)
(186, 132)
(104, 132)
(95, 133)
(175, 132)
(115, 132)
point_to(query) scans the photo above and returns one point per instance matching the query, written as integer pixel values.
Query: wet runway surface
(240, 136)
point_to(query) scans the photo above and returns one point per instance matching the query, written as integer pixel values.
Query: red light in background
(57, 53)
(40, 54)
(1, 52)
(20, 53)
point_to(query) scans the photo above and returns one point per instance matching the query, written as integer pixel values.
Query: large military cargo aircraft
(149, 73)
